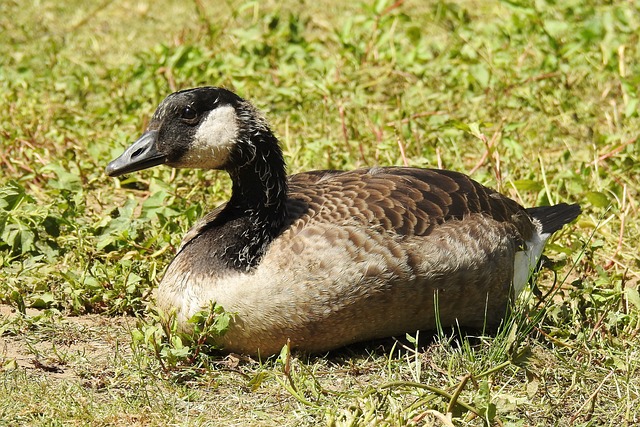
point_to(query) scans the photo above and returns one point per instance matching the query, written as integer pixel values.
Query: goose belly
(329, 286)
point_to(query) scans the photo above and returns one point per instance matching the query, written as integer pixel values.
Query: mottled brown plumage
(328, 258)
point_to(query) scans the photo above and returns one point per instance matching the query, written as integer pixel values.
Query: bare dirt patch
(80, 348)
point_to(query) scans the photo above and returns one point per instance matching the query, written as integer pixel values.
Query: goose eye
(188, 113)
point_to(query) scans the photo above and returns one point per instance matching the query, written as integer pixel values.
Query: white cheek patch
(213, 140)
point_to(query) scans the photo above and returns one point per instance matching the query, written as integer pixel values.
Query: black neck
(258, 200)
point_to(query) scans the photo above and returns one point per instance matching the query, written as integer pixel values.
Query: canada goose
(329, 258)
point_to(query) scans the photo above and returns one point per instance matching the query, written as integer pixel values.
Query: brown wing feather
(409, 201)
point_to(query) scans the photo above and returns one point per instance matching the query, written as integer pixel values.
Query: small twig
(596, 327)
(496, 168)
(494, 140)
(623, 266)
(396, 5)
(590, 399)
(168, 74)
(439, 161)
(402, 153)
(489, 151)
(551, 292)
(456, 394)
(8, 164)
(480, 162)
(432, 389)
(614, 151)
(203, 336)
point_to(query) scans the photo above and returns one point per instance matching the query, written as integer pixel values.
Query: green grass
(537, 99)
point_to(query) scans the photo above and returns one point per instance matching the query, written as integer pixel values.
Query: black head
(195, 128)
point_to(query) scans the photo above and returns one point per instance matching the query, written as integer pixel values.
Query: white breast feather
(527, 260)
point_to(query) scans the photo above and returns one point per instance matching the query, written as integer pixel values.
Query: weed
(181, 351)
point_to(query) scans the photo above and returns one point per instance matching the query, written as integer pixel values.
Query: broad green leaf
(598, 199)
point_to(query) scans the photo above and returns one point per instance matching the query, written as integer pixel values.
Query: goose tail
(553, 218)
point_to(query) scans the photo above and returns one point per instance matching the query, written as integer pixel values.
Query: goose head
(206, 127)
(213, 128)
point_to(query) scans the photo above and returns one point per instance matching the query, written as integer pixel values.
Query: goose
(328, 258)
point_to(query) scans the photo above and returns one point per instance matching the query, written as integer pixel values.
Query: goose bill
(142, 154)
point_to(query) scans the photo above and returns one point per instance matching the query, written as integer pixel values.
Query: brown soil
(63, 348)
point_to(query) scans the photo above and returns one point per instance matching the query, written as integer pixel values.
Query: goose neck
(259, 195)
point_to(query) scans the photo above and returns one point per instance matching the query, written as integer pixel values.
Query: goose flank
(329, 258)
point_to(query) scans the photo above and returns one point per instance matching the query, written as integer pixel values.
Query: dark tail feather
(553, 218)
